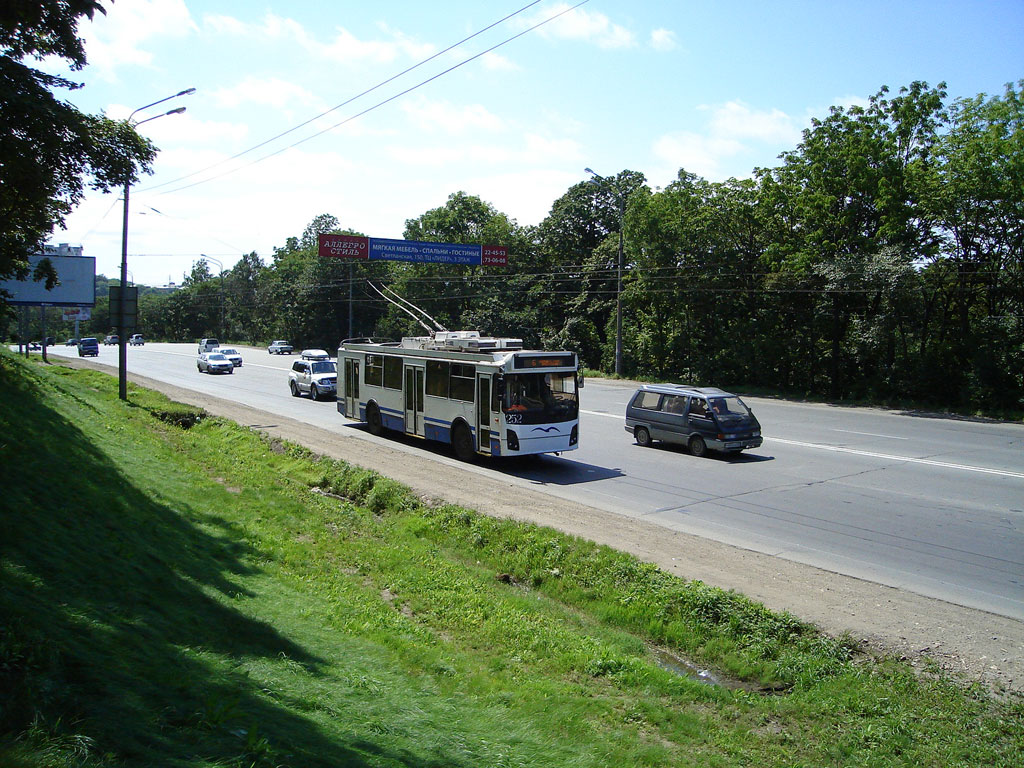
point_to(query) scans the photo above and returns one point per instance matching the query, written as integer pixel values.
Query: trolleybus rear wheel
(373, 422)
(462, 442)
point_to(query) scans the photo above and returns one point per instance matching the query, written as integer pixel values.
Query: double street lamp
(614, 184)
(122, 346)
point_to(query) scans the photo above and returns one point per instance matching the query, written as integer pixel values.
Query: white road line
(908, 459)
(870, 434)
(603, 413)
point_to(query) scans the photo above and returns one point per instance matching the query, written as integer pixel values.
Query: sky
(388, 112)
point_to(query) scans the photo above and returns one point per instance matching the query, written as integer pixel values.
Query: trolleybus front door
(351, 394)
(483, 413)
(414, 400)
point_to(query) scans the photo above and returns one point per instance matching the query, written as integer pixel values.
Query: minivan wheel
(293, 388)
(698, 447)
(314, 393)
(643, 437)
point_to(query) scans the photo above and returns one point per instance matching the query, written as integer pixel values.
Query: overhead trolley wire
(372, 108)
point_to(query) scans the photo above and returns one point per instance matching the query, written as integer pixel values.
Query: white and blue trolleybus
(483, 395)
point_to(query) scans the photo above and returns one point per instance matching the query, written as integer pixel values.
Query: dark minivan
(701, 418)
(88, 347)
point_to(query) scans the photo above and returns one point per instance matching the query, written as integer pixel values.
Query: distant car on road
(214, 362)
(231, 354)
(136, 340)
(317, 377)
(208, 345)
(280, 347)
(71, 343)
(88, 347)
(34, 345)
(113, 339)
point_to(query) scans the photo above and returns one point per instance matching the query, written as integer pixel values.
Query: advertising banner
(76, 286)
(383, 249)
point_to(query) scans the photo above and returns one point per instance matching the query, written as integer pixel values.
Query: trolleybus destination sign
(382, 249)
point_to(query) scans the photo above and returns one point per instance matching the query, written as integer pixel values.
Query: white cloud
(663, 40)
(497, 63)
(188, 130)
(736, 120)
(344, 47)
(272, 92)
(449, 119)
(734, 132)
(696, 153)
(584, 26)
(544, 150)
(117, 39)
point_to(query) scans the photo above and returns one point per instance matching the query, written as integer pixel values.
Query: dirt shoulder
(971, 643)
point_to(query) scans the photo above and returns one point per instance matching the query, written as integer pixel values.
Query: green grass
(181, 591)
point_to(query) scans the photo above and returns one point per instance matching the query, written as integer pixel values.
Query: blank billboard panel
(77, 288)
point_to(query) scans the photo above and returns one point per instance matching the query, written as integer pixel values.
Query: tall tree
(49, 149)
(448, 292)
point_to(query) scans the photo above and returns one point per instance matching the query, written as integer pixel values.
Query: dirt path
(972, 643)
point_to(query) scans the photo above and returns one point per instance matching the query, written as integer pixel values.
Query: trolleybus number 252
(483, 395)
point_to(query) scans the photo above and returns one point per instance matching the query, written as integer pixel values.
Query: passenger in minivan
(698, 408)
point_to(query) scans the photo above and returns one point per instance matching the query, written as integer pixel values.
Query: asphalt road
(929, 504)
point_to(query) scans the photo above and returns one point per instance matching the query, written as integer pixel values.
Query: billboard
(76, 288)
(383, 249)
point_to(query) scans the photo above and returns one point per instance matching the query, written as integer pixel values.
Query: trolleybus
(482, 395)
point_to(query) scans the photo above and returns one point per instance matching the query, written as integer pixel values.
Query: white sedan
(214, 362)
(231, 354)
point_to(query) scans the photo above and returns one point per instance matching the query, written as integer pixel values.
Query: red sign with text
(344, 246)
(495, 255)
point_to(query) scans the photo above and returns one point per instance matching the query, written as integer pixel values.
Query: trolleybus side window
(392, 372)
(374, 374)
(437, 378)
(462, 382)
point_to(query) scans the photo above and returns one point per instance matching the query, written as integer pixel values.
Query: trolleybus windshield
(541, 398)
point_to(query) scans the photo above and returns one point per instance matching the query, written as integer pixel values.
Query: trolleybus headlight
(575, 436)
(513, 441)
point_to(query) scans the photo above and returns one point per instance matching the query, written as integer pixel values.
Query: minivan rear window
(648, 400)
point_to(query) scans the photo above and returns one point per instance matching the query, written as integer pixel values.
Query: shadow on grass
(109, 620)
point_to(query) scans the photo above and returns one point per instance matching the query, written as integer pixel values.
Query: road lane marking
(908, 459)
(603, 413)
(870, 434)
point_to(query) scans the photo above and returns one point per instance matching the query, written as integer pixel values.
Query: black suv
(701, 418)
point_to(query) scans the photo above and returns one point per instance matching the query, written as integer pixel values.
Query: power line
(344, 103)
(379, 104)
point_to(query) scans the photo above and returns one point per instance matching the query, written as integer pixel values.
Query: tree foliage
(49, 151)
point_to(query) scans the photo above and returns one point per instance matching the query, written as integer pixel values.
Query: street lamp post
(122, 345)
(618, 278)
(220, 333)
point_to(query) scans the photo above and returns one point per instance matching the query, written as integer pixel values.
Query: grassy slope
(190, 597)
